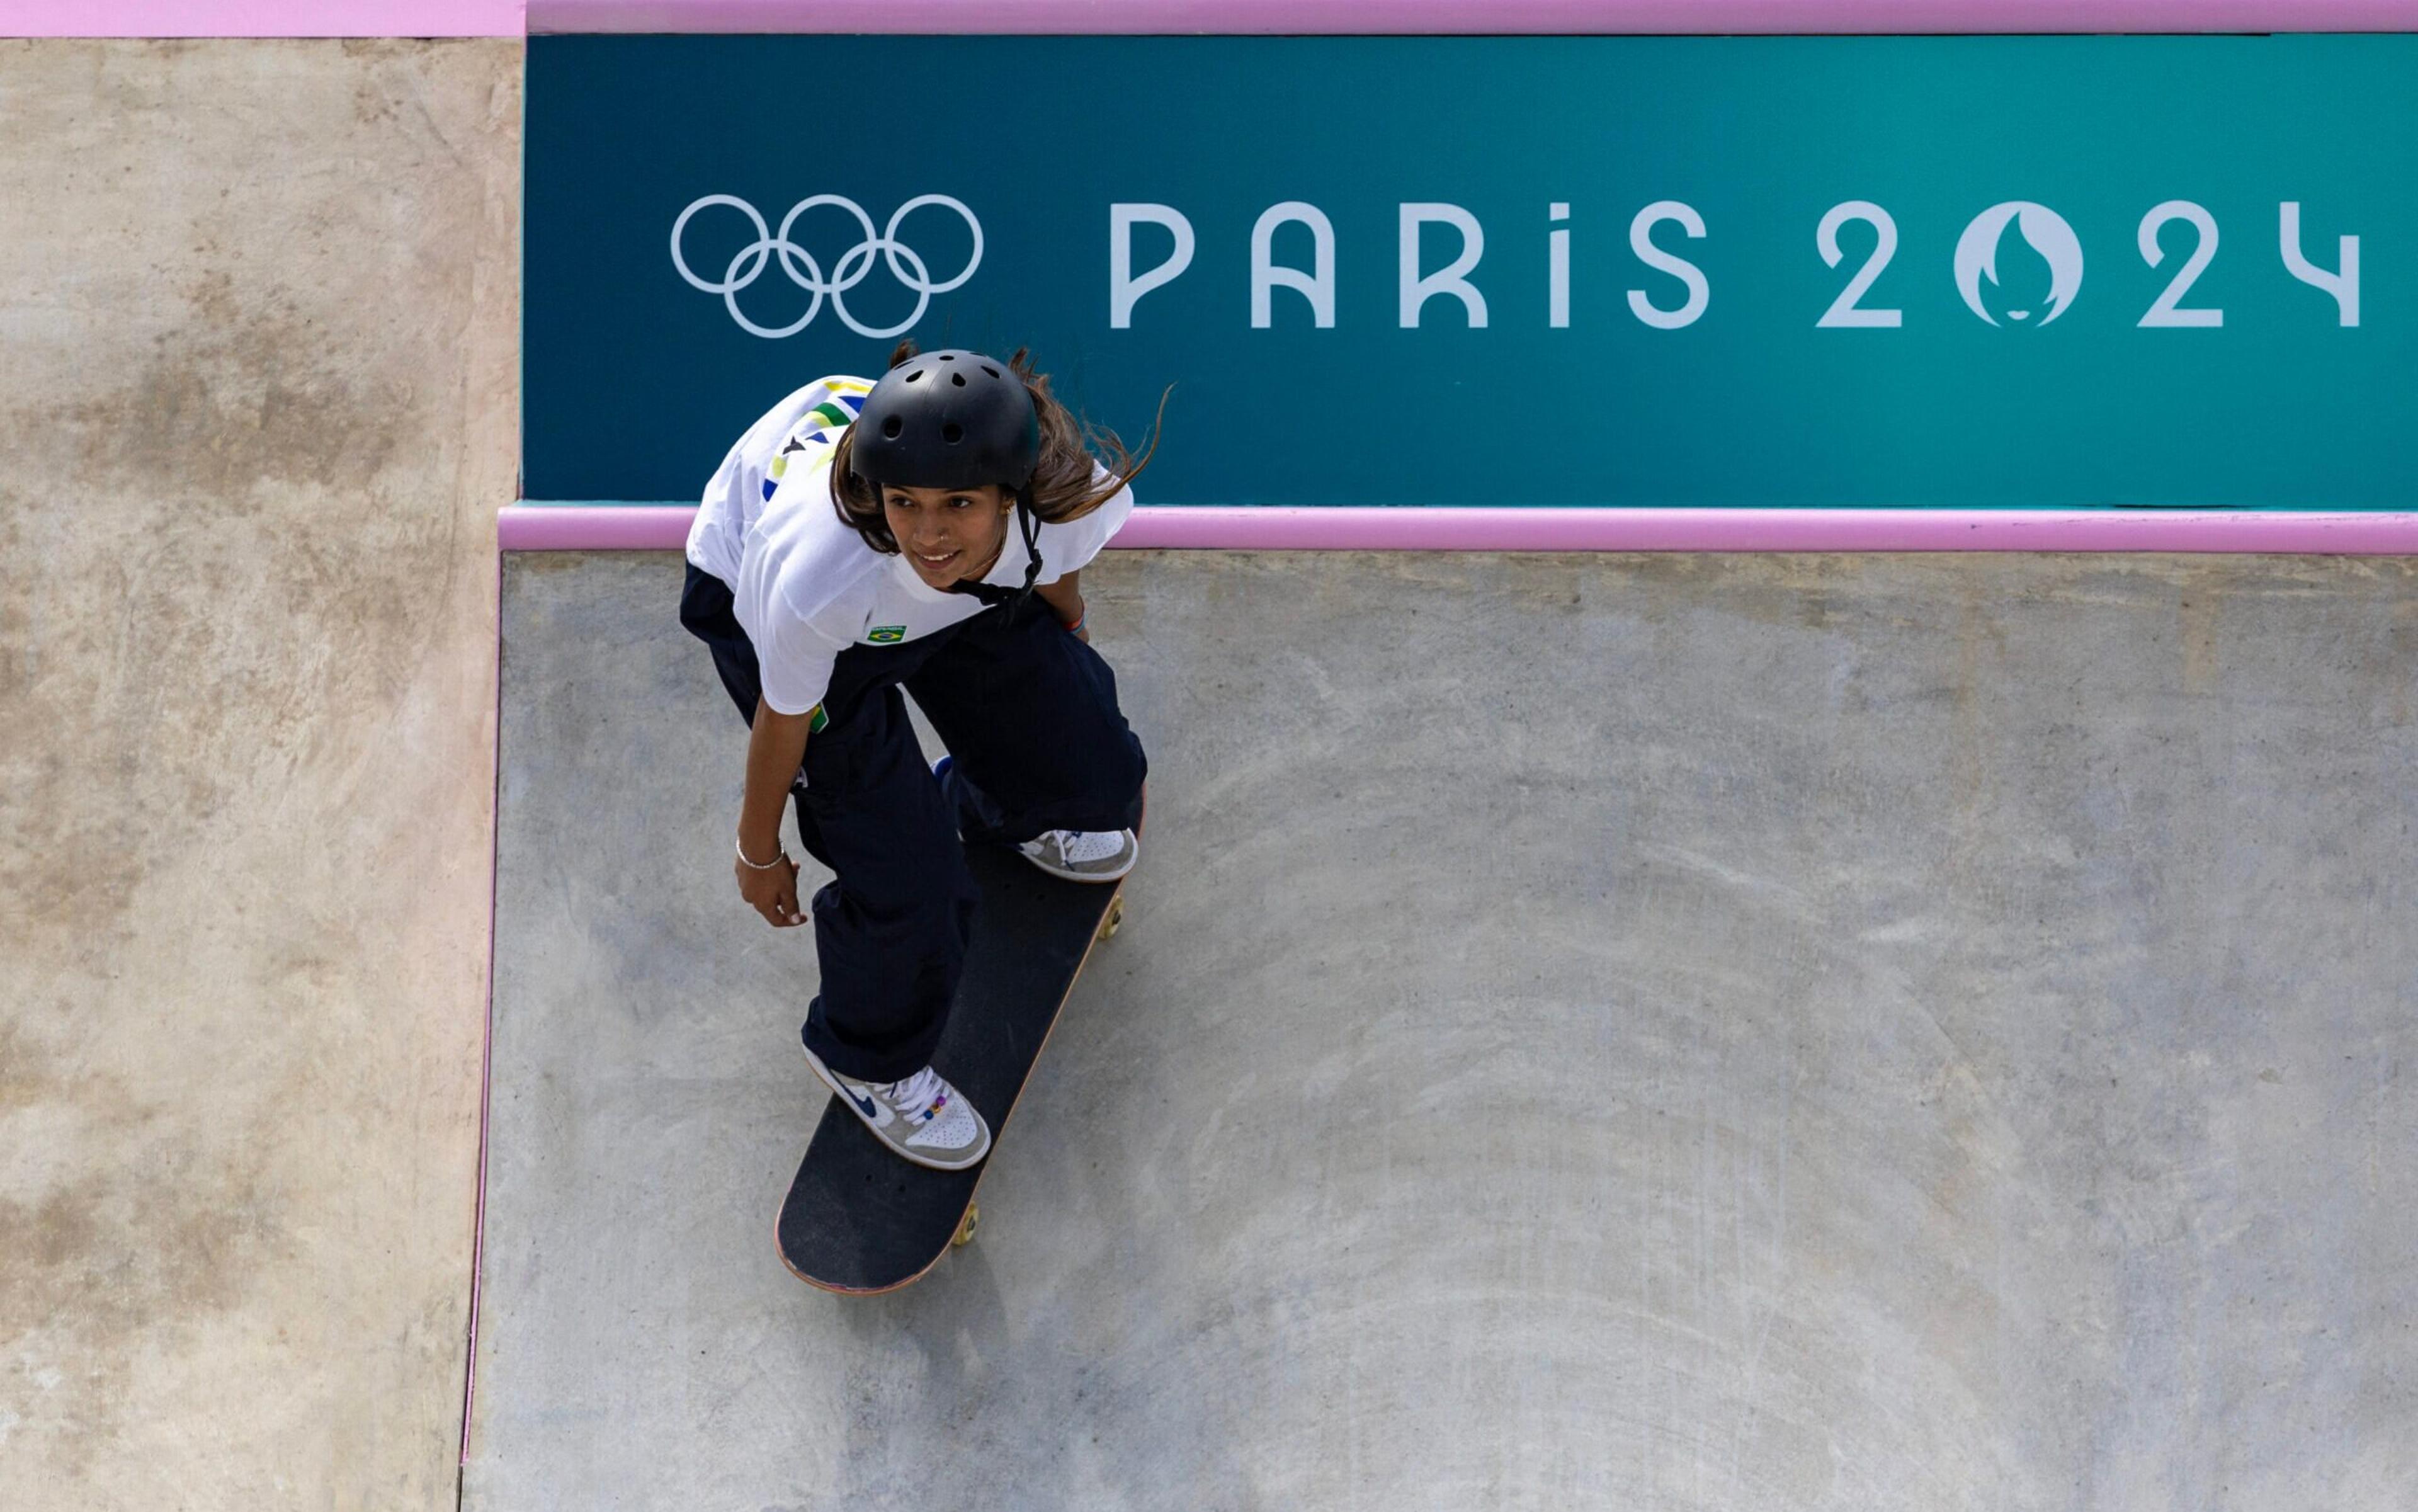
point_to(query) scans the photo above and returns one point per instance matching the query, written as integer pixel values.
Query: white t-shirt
(804, 585)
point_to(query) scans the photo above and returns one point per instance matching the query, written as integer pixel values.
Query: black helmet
(947, 419)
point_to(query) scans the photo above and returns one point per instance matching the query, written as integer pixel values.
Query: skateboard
(859, 1219)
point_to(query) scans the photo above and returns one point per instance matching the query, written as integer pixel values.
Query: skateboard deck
(861, 1219)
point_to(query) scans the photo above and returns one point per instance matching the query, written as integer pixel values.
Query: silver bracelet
(751, 865)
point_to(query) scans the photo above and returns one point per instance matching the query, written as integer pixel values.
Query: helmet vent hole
(912, 376)
(952, 433)
(958, 378)
(946, 357)
(992, 371)
(891, 427)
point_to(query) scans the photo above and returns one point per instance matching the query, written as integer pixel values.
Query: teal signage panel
(1973, 271)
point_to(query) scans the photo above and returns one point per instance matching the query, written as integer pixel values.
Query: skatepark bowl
(1805, 1031)
(1764, 1032)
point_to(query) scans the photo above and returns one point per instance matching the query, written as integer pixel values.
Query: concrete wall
(1708, 1034)
(259, 308)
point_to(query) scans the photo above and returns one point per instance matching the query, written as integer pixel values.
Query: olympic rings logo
(802, 269)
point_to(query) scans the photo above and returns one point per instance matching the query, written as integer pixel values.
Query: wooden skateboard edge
(839, 1290)
(1116, 891)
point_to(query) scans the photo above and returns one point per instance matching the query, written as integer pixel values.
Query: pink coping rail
(1300, 17)
(657, 527)
(512, 18)
(263, 18)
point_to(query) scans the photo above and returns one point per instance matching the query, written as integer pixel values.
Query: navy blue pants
(1030, 716)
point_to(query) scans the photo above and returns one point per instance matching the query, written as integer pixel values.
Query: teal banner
(1922, 272)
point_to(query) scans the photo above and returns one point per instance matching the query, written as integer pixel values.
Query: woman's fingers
(774, 897)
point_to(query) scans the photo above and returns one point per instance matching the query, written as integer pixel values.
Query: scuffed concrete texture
(1708, 1034)
(260, 308)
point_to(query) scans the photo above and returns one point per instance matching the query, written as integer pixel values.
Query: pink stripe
(263, 18)
(585, 528)
(1461, 16)
(593, 527)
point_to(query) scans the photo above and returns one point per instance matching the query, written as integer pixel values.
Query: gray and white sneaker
(922, 1118)
(1083, 855)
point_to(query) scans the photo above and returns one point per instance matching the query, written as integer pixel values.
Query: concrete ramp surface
(1621, 1031)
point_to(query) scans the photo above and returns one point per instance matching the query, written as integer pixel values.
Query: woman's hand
(775, 749)
(771, 890)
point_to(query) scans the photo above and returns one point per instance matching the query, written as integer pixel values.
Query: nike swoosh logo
(866, 1104)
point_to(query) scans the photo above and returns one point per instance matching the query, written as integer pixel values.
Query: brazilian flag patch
(886, 634)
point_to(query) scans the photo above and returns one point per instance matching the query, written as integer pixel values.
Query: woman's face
(948, 534)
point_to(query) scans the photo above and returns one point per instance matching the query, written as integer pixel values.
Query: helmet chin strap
(1029, 526)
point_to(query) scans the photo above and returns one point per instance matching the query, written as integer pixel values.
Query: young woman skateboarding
(925, 533)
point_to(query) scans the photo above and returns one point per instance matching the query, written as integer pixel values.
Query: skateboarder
(922, 531)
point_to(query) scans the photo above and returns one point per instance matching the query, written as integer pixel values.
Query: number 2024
(2166, 312)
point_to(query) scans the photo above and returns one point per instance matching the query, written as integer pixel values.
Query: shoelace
(915, 1094)
(1089, 844)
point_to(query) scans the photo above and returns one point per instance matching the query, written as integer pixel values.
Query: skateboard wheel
(1116, 916)
(965, 1234)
